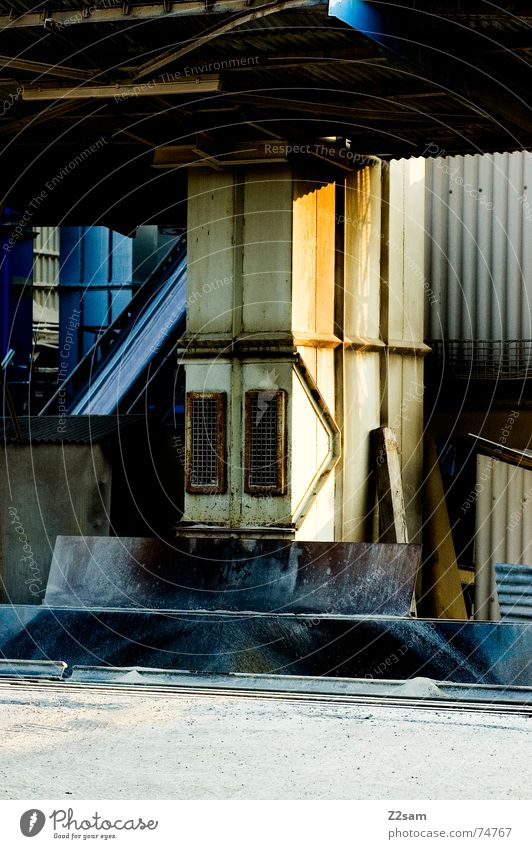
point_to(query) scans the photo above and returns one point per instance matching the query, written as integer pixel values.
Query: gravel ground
(134, 746)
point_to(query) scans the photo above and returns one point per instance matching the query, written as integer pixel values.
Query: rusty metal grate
(265, 442)
(206, 442)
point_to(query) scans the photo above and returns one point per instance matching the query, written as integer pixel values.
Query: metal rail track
(448, 705)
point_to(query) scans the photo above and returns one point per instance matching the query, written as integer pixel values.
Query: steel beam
(194, 85)
(64, 19)
(44, 68)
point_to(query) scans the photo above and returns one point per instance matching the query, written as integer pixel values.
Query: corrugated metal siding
(514, 588)
(503, 527)
(45, 280)
(479, 247)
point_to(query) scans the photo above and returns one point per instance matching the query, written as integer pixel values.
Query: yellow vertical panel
(303, 445)
(361, 416)
(309, 355)
(325, 258)
(414, 249)
(498, 528)
(325, 376)
(304, 256)
(362, 253)
(483, 508)
(403, 310)
(395, 250)
(412, 444)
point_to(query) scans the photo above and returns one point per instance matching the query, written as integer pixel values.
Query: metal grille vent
(265, 442)
(206, 442)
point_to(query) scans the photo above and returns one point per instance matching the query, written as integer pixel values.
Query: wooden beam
(340, 110)
(44, 115)
(442, 595)
(243, 153)
(392, 514)
(119, 91)
(130, 134)
(44, 68)
(501, 452)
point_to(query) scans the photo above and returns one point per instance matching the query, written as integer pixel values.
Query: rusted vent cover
(265, 442)
(206, 442)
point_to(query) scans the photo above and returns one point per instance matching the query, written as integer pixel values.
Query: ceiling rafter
(218, 30)
(44, 68)
(149, 11)
(121, 91)
(38, 117)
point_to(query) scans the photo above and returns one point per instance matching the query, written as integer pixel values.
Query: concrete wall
(47, 490)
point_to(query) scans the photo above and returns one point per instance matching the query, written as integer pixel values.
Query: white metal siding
(503, 527)
(479, 247)
(45, 280)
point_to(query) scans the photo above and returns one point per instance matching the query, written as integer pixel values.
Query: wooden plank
(392, 520)
(442, 587)
(241, 153)
(44, 68)
(504, 453)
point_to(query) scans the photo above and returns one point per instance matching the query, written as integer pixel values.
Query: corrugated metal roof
(291, 72)
(514, 588)
(68, 429)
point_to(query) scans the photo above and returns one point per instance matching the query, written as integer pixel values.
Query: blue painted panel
(95, 308)
(88, 338)
(121, 259)
(71, 247)
(95, 256)
(96, 262)
(120, 299)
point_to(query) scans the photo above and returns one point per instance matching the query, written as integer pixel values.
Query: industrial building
(266, 343)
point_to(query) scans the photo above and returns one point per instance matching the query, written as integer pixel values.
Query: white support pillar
(264, 293)
(260, 322)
